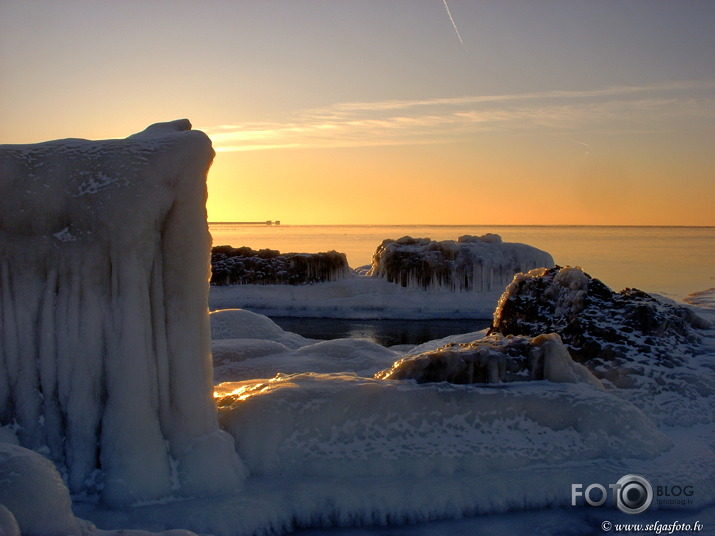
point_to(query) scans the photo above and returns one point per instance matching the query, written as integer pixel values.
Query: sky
(391, 112)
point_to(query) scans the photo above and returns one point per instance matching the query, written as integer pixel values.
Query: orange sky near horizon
(372, 112)
(487, 182)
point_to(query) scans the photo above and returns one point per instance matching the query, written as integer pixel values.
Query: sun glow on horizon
(383, 115)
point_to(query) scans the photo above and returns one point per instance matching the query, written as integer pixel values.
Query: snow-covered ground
(327, 445)
(359, 296)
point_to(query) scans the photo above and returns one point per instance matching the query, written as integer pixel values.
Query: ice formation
(328, 446)
(472, 263)
(242, 324)
(105, 369)
(342, 426)
(494, 359)
(105, 351)
(245, 266)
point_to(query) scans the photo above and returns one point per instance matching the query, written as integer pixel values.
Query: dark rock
(598, 325)
(246, 266)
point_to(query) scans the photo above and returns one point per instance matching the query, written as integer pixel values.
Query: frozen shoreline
(452, 503)
(359, 297)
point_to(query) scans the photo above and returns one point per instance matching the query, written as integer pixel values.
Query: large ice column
(472, 263)
(105, 349)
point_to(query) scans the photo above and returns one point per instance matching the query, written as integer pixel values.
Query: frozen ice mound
(472, 263)
(243, 324)
(359, 356)
(34, 496)
(344, 426)
(104, 320)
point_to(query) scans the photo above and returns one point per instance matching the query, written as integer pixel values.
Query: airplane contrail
(454, 24)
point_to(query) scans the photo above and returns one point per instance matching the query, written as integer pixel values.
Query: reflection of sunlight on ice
(243, 390)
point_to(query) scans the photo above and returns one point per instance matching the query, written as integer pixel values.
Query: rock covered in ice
(628, 339)
(245, 266)
(105, 350)
(494, 359)
(597, 323)
(471, 263)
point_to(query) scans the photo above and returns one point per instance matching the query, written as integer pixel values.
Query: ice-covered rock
(628, 339)
(105, 349)
(494, 359)
(599, 325)
(245, 266)
(472, 263)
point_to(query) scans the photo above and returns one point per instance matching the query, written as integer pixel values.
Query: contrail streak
(454, 25)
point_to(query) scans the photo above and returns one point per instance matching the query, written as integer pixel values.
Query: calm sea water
(673, 261)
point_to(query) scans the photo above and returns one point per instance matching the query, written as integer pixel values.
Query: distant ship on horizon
(267, 222)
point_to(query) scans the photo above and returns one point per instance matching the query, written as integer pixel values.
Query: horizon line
(463, 225)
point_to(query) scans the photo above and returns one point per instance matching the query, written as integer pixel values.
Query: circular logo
(634, 494)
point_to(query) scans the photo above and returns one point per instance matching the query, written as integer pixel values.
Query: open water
(671, 261)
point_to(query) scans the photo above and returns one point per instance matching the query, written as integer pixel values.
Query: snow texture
(105, 350)
(344, 426)
(356, 297)
(494, 359)
(330, 449)
(242, 324)
(245, 266)
(471, 264)
(647, 348)
(250, 359)
(28, 480)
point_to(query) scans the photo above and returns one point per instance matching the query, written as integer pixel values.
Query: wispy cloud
(441, 120)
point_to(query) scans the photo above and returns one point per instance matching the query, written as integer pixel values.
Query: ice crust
(105, 350)
(342, 426)
(355, 297)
